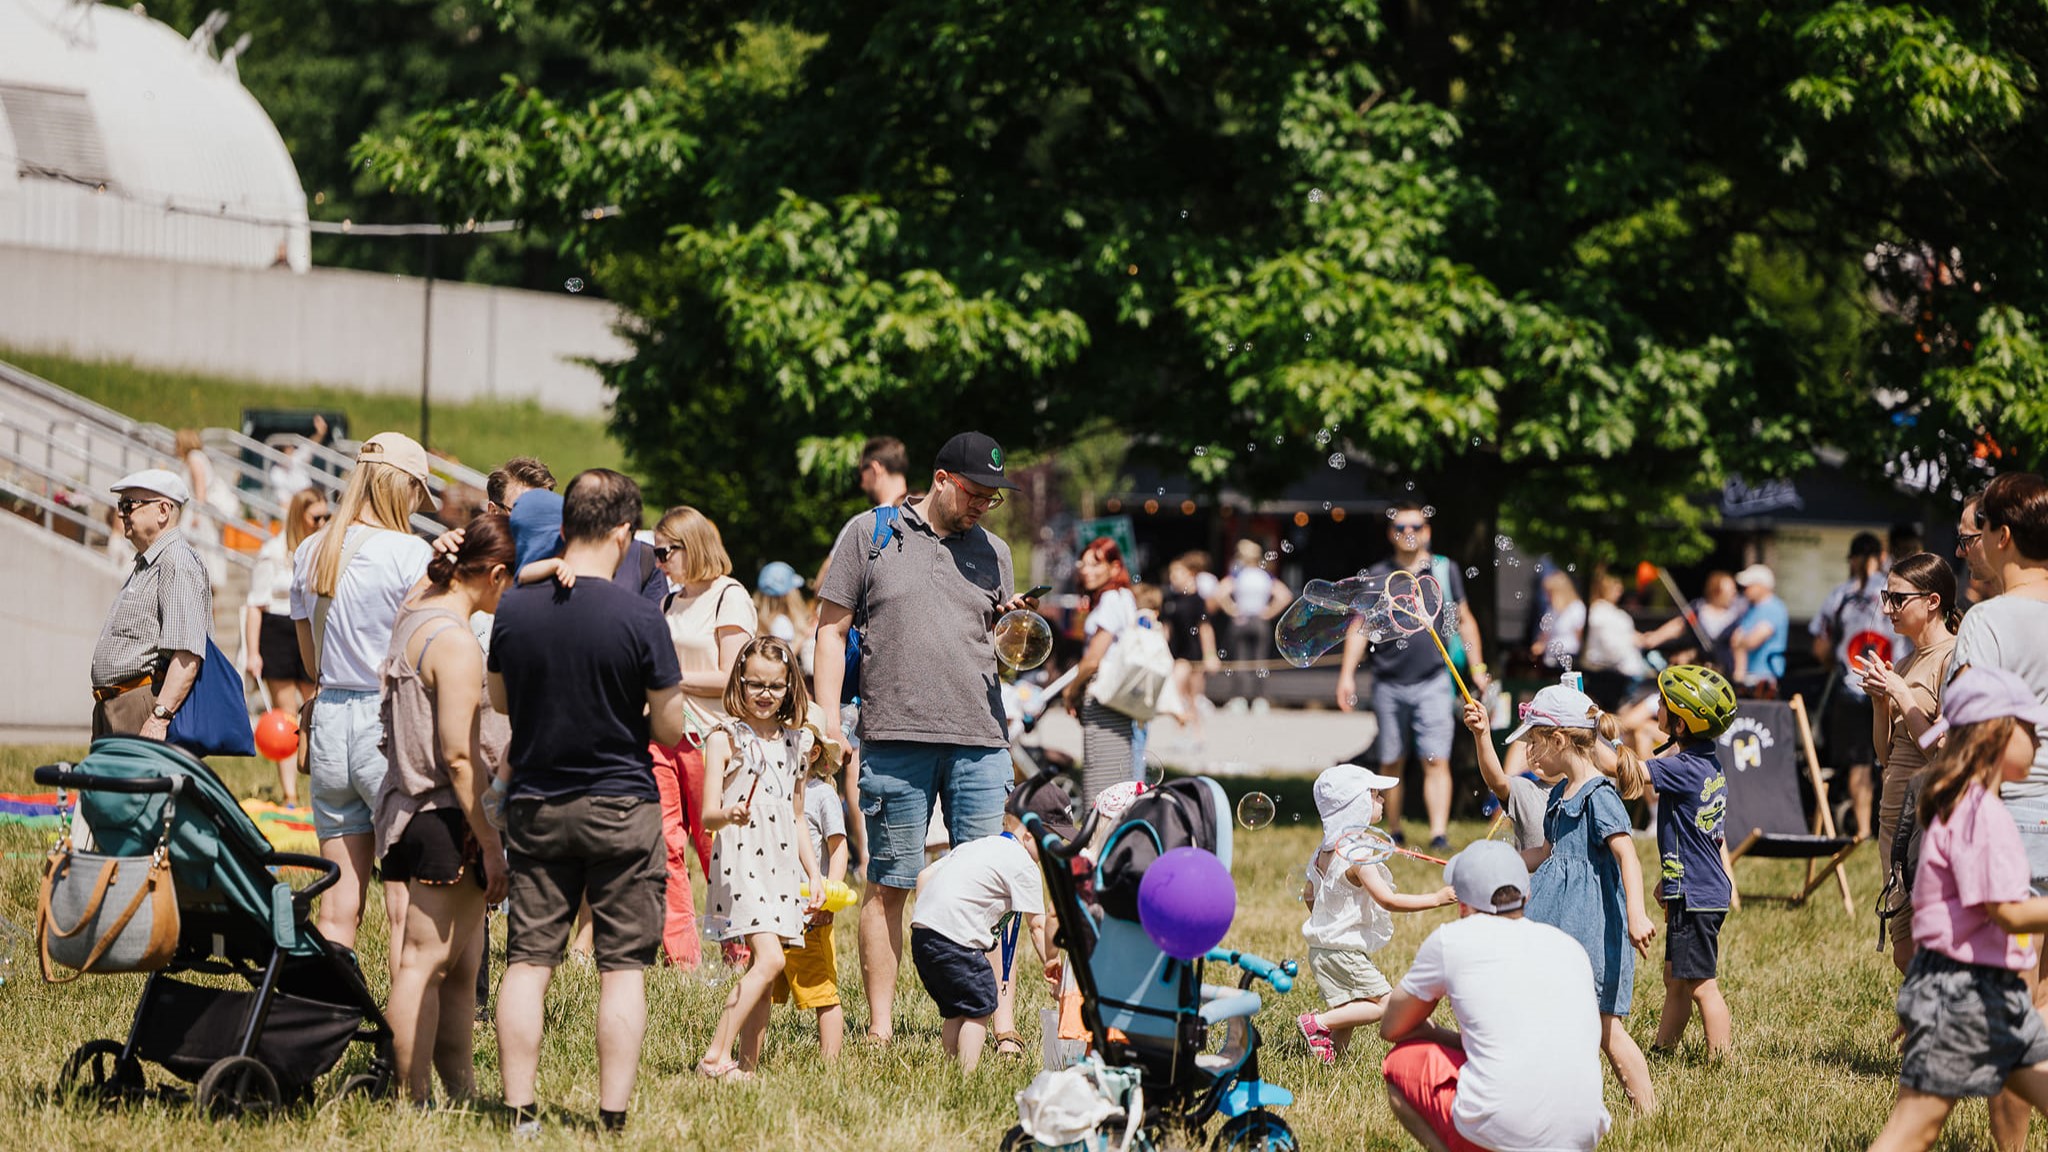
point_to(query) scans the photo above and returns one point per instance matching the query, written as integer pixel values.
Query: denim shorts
(2030, 815)
(1414, 718)
(1968, 1027)
(899, 780)
(344, 760)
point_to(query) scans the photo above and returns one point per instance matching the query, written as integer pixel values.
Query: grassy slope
(482, 435)
(1812, 1001)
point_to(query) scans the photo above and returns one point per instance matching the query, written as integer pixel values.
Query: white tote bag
(1135, 673)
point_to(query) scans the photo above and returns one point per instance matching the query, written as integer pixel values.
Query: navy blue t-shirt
(578, 664)
(1413, 659)
(1692, 801)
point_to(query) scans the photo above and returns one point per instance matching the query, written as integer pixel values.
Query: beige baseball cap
(403, 453)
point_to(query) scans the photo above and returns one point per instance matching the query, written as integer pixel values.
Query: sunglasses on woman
(1893, 601)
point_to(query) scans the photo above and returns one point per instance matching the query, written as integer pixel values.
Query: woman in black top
(1189, 637)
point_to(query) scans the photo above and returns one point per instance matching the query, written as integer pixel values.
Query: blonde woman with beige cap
(348, 581)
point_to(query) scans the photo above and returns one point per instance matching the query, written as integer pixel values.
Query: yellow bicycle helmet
(1701, 699)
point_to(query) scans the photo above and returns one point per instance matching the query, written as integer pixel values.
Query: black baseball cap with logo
(975, 457)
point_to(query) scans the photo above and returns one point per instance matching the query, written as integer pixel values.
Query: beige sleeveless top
(417, 777)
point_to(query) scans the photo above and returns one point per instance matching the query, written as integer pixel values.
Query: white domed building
(120, 137)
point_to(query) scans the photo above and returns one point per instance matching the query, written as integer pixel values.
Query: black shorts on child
(1968, 1027)
(1692, 941)
(958, 977)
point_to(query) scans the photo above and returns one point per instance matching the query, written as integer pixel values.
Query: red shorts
(1425, 1073)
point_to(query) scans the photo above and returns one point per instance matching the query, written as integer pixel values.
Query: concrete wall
(57, 597)
(331, 326)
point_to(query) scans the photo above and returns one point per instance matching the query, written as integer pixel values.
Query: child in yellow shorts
(810, 974)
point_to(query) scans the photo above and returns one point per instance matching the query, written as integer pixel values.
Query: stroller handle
(329, 870)
(1278, 976)
(61, 776)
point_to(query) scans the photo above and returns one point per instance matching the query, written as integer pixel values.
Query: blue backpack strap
(886, 518)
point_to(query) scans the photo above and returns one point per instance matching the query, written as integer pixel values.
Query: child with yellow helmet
(1692, 798)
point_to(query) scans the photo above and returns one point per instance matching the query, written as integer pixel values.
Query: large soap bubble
(1023, 640)
(1325, 611)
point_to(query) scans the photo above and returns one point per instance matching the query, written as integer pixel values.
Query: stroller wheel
(237, 1086)
(1259, 1131)
(371, 1085)
(96, 1067)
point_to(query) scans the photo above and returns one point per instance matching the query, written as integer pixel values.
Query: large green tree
(1565, 266)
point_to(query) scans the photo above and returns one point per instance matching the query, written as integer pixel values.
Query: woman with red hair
(1108, 737)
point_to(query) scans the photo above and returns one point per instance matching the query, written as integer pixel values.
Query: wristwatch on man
(161, 712)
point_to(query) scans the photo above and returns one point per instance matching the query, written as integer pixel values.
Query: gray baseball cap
(1485, 868)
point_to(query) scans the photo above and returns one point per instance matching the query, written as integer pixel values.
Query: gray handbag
(99, 913)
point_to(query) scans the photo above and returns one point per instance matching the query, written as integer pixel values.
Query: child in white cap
(1349, 913)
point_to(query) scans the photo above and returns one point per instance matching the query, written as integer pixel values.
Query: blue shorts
(346, 765)
(2030, 815)
(899, 779)
(1416, 718)
(960, 980)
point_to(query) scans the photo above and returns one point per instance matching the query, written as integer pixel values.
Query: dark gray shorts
(1968, 1027)
(607, 849)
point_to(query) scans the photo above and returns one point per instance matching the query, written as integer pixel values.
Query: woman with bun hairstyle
(445, 744)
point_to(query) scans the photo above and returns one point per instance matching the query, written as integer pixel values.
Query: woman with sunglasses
(710, 617)
(270, 643)
(1919, 599)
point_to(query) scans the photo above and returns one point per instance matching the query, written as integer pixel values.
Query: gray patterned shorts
(1968, 1027)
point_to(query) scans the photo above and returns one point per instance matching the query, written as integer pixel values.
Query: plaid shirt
(166, 606)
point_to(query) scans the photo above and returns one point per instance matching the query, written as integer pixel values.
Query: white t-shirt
(1611, 642)
(2011, 632)
(1523, 995)
(824, 817)
(966, 892)
(270, 585)
(1251, 591)
(694, 623)
(366, 602)
(1114, 611)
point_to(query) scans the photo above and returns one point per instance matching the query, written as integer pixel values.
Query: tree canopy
(1571, 264)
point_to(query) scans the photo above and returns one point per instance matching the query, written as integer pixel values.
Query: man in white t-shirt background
(1522, 1072)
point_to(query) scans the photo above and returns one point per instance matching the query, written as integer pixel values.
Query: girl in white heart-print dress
(761, 857)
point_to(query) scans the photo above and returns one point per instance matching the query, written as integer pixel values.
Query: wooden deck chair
(1760, 755)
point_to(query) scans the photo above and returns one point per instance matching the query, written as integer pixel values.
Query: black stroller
(248, 1051)
(1146, 1012)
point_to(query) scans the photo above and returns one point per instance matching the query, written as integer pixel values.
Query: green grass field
(482, 435)
(1813, 1066)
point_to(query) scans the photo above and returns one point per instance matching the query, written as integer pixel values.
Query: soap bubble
(1471, 573)
(1279, 439)
(1315, 195)
(1023, 640)
(1323, 438)
(574, 284)
(1201, 451)
(1256, 810)
(1155, 770)
(1337, 460)
(1287, 545)
(1411, 485)
(1325, 611)
(1183, 213)
(1251, 446)
(1429, 510)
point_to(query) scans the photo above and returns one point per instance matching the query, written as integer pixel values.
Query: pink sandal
(711, 1071)
(1318, 1037)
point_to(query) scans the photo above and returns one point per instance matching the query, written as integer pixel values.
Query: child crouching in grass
(1970, 1027)
(1349, 913)
(962, 896)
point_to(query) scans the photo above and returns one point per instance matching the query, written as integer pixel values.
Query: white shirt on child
(1523, 995)
(824, 818)
(1346, 917)
(972, 887)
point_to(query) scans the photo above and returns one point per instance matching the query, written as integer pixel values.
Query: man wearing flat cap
(148, 654)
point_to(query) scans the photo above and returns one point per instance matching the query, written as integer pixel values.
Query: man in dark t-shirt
(589, 676)
(1412, 694)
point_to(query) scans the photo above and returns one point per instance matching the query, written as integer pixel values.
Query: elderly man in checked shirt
(149, 651)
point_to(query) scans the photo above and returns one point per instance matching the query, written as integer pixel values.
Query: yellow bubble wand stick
(1412, 606)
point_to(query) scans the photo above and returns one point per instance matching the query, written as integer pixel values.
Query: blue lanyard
(1007, 930)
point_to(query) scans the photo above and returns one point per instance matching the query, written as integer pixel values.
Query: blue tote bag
(214, 720)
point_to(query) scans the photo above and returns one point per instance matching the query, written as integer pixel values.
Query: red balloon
(1646, 575)
(277, 735)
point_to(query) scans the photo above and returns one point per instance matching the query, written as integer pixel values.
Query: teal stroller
(305, 1002)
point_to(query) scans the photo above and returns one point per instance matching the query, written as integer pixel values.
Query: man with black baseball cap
(925, 587)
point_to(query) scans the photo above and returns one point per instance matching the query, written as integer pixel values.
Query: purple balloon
(1186, 902)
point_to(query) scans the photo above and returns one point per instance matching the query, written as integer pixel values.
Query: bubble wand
(1368, 845)
(1413, 606)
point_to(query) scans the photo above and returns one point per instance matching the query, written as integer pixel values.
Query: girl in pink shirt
(1970, 1027)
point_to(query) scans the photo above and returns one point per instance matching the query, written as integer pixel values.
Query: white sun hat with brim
(1344, 797)
(1557, 707)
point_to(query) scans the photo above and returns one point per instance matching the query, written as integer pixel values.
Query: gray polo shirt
(166, 606)
(929, 671)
